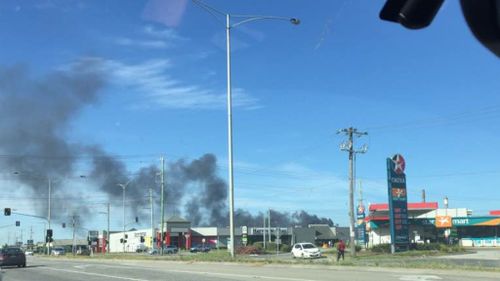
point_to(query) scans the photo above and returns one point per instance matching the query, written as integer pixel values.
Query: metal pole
(162, 205)
(73, 247)
(351, 194)
(152, 218)
(230, 134)
(264, 231)
(269, 224)
(108, 235)
(123, 186)
(48, 215)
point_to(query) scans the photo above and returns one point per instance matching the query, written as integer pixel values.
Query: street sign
(398, 203)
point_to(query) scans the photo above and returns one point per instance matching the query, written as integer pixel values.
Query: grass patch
(412, 259)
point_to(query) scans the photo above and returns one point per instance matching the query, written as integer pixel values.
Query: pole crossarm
(30, 215)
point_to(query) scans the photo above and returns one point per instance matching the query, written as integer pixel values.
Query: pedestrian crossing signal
(18, 223)
(7, 211)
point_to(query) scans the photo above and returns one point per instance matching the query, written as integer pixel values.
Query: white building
(134, 240)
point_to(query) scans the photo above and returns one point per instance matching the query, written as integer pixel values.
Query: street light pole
(123, 218)
(124, 186)
(243, 19)
(48, 213)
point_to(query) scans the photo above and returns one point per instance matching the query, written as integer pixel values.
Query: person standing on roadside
(340, 250)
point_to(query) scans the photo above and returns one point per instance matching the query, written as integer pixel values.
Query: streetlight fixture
(124, 186)
(242, 20)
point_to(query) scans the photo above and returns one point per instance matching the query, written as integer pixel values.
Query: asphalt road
(43, 269)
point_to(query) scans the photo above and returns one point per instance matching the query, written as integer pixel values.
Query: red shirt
(341, 246)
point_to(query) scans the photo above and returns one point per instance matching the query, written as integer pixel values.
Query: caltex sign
(398, 203)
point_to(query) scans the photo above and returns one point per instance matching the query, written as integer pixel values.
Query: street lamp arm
(214, 12)
(250, 18)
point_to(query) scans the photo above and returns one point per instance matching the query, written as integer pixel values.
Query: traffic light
(6, 211)
(49, 233)
(63, 225)
(136, 219)
(121, 240)
(142, 239)
(18, 223)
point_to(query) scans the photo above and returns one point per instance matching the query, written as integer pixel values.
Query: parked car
(170, 249)
(58, 251)
(199, 248)
(28, 253)
(305, 250)
(12, 256)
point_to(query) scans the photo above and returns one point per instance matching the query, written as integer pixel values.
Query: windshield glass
(308, 246)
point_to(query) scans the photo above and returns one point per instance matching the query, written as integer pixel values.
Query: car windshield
(222, 130)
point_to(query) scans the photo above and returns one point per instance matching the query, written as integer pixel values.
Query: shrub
(271, 247)
(285, 248)
(381, 248)
(248, 250)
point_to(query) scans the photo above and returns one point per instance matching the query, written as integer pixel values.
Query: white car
(58, 252)
(305, 250)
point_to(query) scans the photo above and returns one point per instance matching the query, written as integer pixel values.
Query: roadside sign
(398, 203)
(278, 241)
(443, 222)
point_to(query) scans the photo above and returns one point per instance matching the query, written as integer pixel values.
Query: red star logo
(399, 163)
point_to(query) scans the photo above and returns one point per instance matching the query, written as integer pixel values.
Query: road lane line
(418, 277)
(248, 276)
(95, 274)
(238, 275)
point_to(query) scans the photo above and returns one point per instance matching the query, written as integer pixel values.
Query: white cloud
(168, 34)
(151, 44)
(151, 80)
(152, 38)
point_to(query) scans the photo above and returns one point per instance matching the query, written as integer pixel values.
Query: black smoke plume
(35, 115)
(35, 118)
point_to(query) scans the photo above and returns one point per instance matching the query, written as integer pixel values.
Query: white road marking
(248, 276)
(83, 266)
(95, 274)
(418, 277)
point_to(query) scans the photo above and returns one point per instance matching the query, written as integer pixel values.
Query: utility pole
(349, 147)
(264, 231)
(269, 224)
(162, 204)
(73, 223)
(31, 238)
(108, 234)
(152, 218)
(48, 215)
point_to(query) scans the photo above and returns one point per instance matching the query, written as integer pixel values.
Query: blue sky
(431, 95)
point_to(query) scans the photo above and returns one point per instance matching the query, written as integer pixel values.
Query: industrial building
(178, 232)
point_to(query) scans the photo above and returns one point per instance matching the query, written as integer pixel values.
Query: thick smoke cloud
(35, 118)
(298, 218)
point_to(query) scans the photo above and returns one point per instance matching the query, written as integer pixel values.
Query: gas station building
(428, 223)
